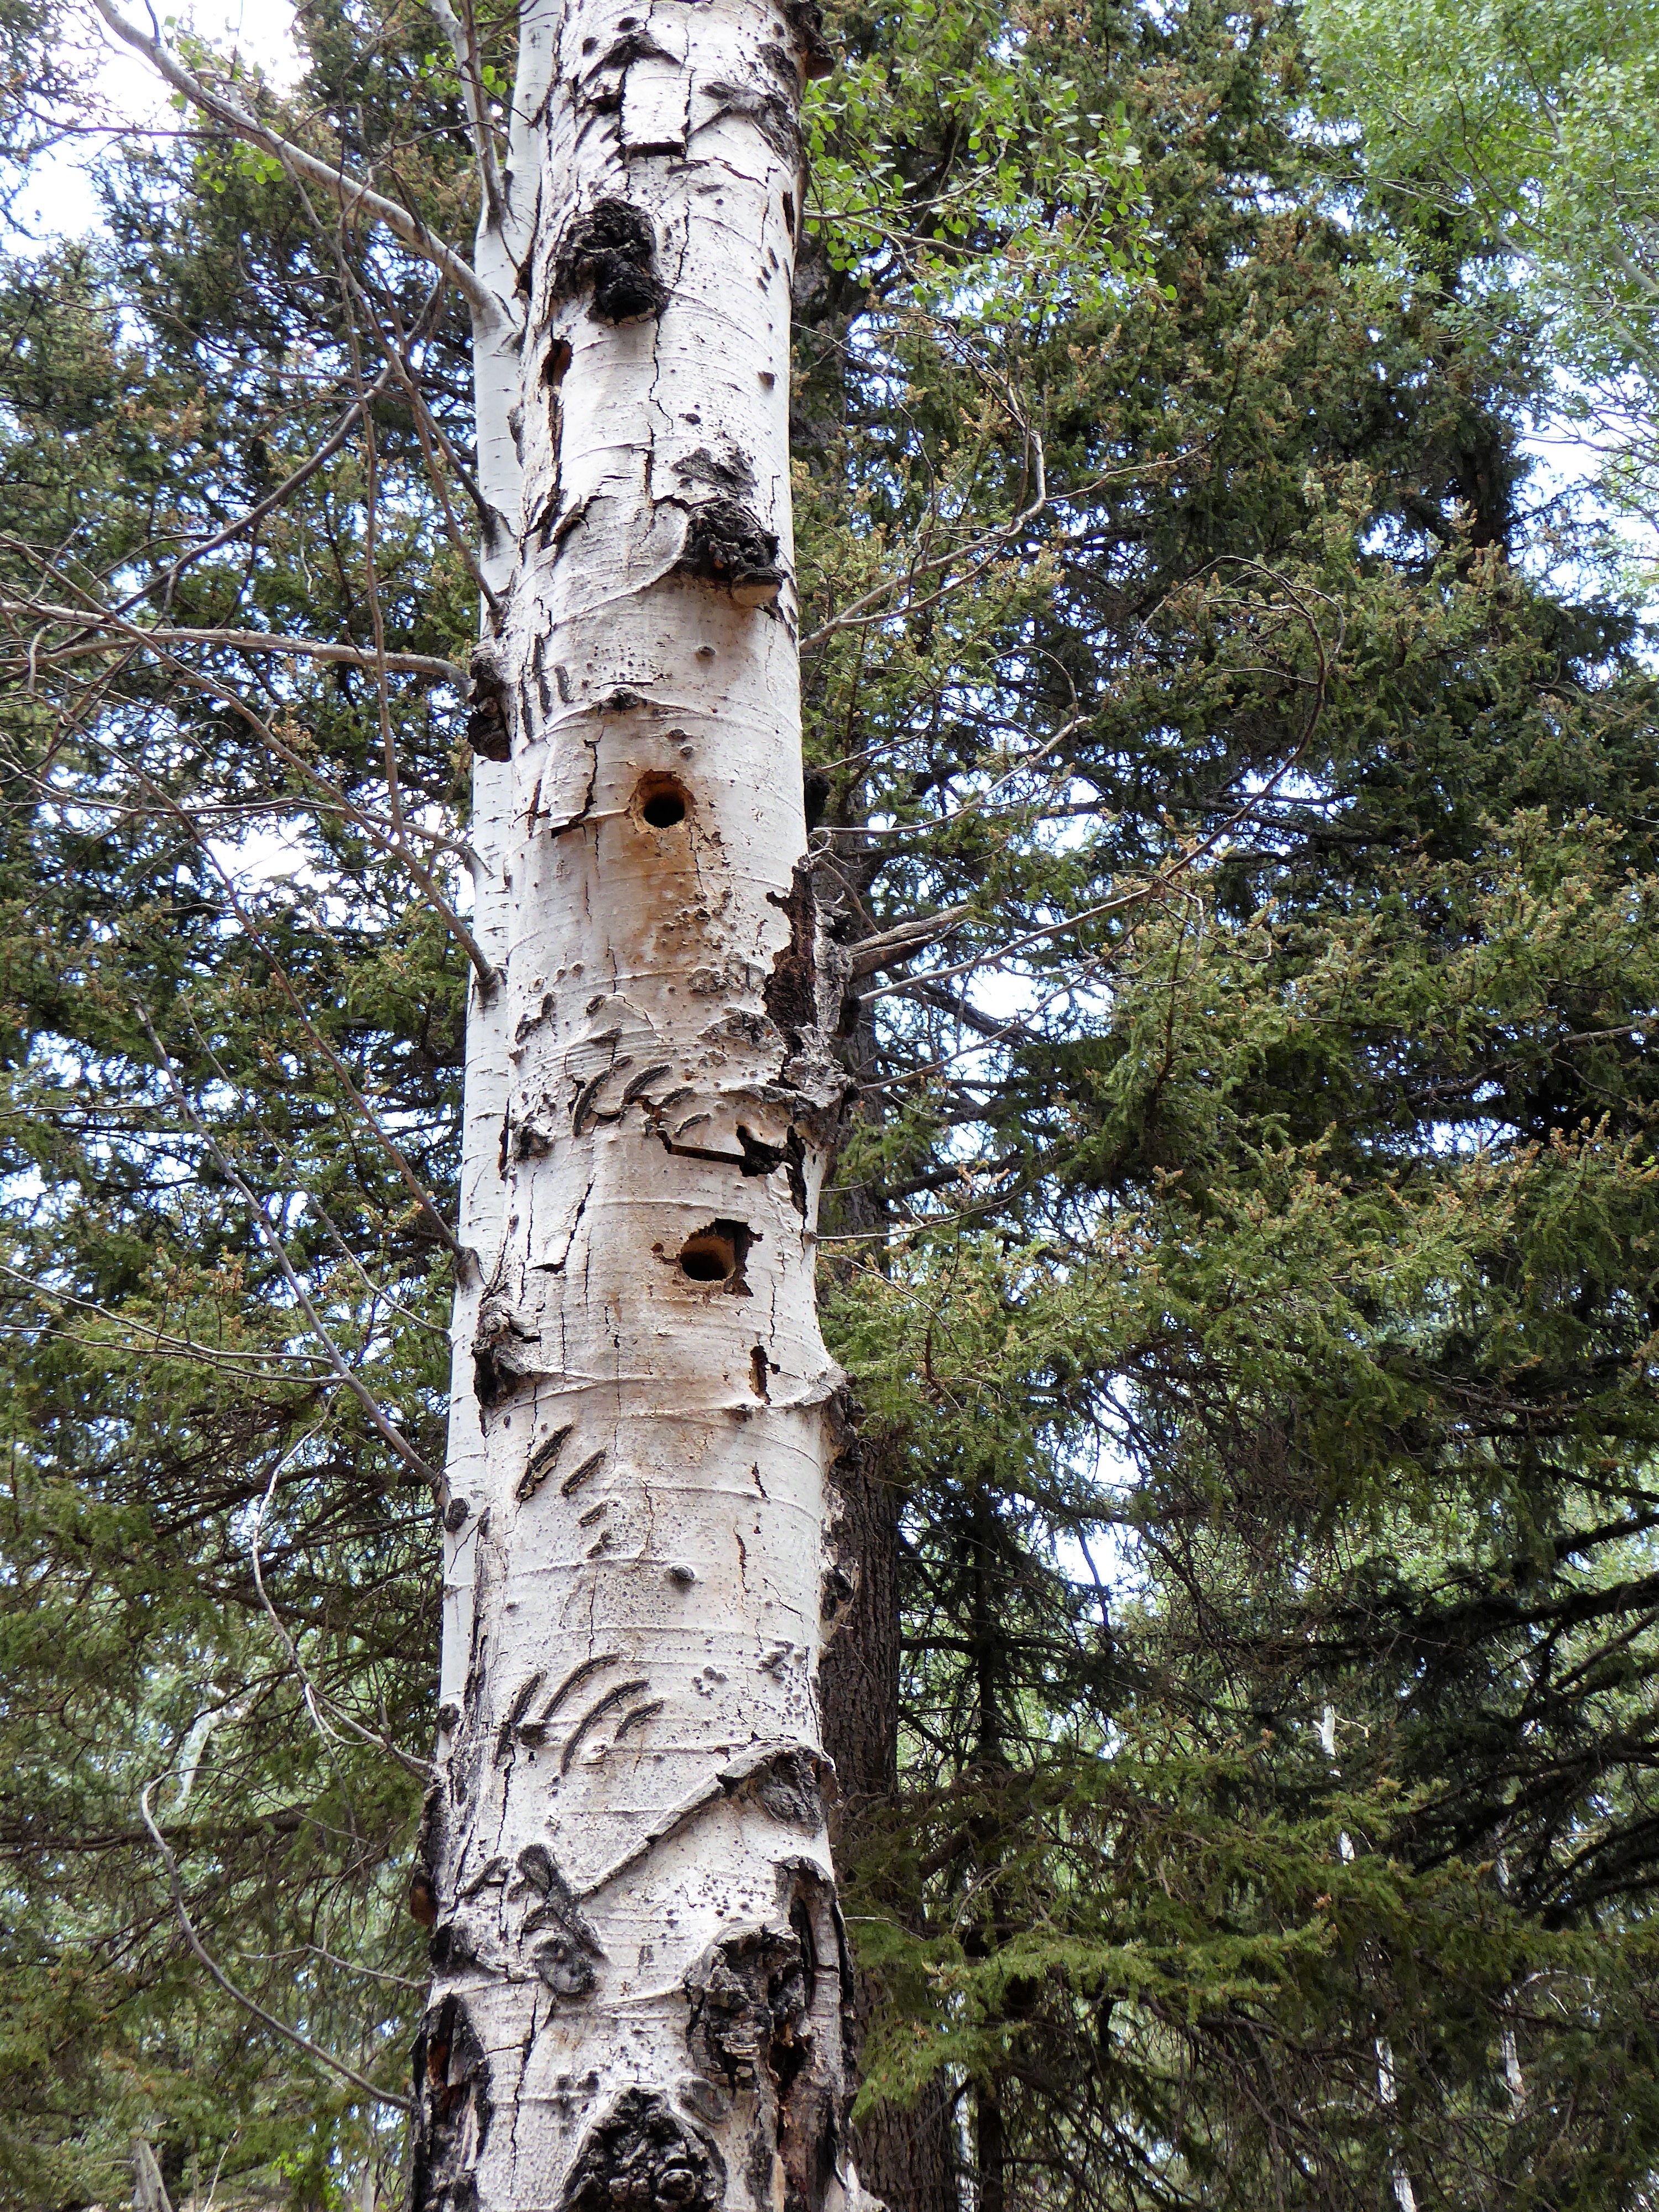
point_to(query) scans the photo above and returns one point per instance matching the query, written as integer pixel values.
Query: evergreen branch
(291, 484)
(384, 1427)
(392, 845)
(316, 1699)
(251, 2004)
(295, 481)
(406, 1174)
(178, 1347)
(897, 944)
(228, 641)
(353, 197)
(239, 811)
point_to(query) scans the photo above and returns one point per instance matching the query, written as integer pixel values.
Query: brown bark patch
(790, 994)
(451, 2090)
(504, 1354)
(751, 2025)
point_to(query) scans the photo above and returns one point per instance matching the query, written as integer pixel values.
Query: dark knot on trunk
(724, 544)
(486, 730)
(644, 2158)
(610, 251)
(805, 19)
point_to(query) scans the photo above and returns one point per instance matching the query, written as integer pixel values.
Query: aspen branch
(464, 42)
(291, 484)
(243, 1364)
(392, 845)
(239, 811)
(978, 805)
(353, 197)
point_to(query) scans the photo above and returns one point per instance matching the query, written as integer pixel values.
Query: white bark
(640, 1966)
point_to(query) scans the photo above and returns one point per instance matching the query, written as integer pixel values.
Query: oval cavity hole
(663, 802)
(709, 1257)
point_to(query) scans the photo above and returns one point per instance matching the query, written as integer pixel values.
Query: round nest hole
(663, 803)
(708, 1257)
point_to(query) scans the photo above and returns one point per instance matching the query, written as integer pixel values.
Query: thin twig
(251, 2004)
(315, 1698)
(385, 1428)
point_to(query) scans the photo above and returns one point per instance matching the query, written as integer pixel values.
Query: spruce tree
(1239, 831)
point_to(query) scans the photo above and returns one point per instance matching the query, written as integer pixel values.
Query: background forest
(1239, 768)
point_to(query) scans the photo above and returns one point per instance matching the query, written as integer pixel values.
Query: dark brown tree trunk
(906, 2156)
(990, 2159)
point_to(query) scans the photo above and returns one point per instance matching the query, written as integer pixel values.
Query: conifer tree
(1239, 840)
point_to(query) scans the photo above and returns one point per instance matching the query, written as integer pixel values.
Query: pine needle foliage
(1244, 1248)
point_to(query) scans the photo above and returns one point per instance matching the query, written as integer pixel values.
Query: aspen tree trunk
(640, 1970)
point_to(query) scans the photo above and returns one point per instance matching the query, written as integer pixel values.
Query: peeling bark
(641, 1986)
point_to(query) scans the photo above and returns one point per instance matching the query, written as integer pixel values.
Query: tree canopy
(1238, 772)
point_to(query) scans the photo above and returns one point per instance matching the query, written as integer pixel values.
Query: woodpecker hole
(716, 1255)
(661, 801)
(709, 1258)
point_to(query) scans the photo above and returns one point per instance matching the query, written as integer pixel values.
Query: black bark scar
(791, 992)
(610, 251)
(486, 731)
(726, 544)
(643, 2155)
